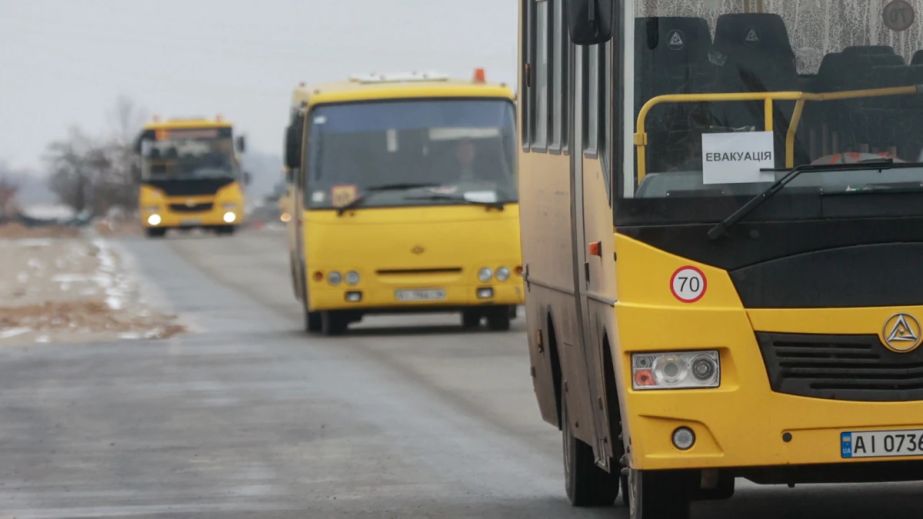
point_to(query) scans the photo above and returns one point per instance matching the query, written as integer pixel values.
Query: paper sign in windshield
(737, 158)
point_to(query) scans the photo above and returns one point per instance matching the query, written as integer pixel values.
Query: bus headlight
(503, 274)
(334, 278)
(677, 370)
(154, 220)
(352, 278)
(485, 275)
(230, 217)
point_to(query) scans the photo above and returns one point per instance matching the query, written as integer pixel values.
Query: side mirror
(248, 178)
(242, 144)
(590, 21)
(292, 148)
(289, 175)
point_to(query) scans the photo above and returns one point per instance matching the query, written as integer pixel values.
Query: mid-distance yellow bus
(404, 195)
(190, 176)
(722, 221)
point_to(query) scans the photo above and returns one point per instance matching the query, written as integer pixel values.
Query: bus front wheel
(333, 323)
(587, 485)
(312, 321)
(498, 319)
(658, 495)
(158, 232)
(471, 319)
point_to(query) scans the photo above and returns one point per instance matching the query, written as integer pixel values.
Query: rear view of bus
(190, 177)
(404, 195)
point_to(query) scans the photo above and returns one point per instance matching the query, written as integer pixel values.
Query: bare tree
(8, 189)
(93, 175)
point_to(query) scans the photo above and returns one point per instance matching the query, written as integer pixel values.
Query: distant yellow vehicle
(404, 200)
(190, 176)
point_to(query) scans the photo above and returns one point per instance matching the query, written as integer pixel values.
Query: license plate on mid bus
(411, 296)
(881, 444)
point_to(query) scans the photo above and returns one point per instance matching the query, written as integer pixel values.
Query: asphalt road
(246, 416)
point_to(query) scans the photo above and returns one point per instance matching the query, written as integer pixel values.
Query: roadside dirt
(65, 289)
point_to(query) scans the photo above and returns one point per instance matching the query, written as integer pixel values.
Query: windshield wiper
(500, 206)
(369, 191)
(880, 165)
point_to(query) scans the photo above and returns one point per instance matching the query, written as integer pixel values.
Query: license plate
(410, 296)
(191, 223)
(881, 444)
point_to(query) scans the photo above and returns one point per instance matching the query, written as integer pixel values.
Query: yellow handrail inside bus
(769, 99)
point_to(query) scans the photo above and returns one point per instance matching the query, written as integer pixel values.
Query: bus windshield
(423, 152)
(821, 82)
(189, 156)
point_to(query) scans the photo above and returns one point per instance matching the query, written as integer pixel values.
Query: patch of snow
(13, 332)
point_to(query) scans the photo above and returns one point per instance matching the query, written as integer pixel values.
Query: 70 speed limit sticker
(689, 284)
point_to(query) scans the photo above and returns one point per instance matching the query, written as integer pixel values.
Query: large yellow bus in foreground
(404, 195)
(722, 222)
(190, 176)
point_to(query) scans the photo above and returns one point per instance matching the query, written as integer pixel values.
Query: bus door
(583, 182)
(299, 188)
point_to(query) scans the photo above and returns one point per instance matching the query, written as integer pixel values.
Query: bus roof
(187, 124)
(374, 88)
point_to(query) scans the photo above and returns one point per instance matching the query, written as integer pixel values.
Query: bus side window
(558, 116)
(598, 105)
(541, 73)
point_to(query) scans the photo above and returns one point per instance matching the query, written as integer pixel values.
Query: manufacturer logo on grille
(901, 333)
(418, 250)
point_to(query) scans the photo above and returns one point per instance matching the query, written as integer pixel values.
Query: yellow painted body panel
(187, 124)
(740, 424)
(228, 198)
(454, 240)
(353, 92)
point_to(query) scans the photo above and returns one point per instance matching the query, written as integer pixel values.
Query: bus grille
(404, 272)
(195, 208)
(841, 367)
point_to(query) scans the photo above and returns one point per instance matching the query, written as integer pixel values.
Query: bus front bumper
(387, 299)
(744, 422)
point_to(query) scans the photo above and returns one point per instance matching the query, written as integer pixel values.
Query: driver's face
(466, 153)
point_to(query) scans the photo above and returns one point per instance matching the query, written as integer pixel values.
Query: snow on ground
(72, 289)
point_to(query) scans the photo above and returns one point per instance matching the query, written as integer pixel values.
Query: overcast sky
(64, 62)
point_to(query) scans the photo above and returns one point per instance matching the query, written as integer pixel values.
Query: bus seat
(758, 52)
(917, 58)
(754, 54)
(672, 59)
(672, 55)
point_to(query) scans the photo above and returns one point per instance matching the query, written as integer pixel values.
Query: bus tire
(587, 485)
(312, 321)
(225, 230)
(156, 232)
(333, 323)
(658, 495)
(498, 319)
(471, 319)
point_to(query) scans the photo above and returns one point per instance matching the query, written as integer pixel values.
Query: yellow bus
(722, 221)
(190, 176)
(404, 195)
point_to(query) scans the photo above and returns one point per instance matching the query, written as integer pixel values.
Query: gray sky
(64, 62)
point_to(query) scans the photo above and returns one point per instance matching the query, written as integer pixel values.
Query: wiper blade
(756, 202)
(500, 206)
(369, 191)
